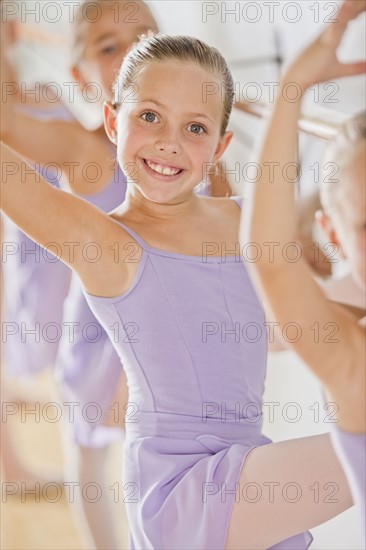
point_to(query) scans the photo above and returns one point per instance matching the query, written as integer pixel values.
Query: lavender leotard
(195, 396)
(351, 451)
(87, 365)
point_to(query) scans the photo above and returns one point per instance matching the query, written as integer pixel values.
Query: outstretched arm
(60, 221)
(328, 338)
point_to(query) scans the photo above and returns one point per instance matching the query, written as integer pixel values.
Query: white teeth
(165, 170)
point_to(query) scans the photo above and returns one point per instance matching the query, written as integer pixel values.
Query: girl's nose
(167, 148)
(168, 143)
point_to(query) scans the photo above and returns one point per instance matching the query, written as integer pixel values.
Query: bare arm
(329, 339)
(41, 141)
(49, 215)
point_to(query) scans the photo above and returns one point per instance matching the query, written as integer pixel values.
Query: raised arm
(76, 231)
(327, 337)
(65, 144)
(16, 128)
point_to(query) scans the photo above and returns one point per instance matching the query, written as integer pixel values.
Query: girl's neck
(144, 210)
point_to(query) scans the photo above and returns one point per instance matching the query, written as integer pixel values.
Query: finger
(352, 69)
(352, 8)
(349, 10)
(332, 36)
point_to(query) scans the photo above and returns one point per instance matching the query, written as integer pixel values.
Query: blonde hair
(339, 149)
(161, 47)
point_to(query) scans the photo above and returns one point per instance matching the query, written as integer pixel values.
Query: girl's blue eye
(196, 128)
(149, 117)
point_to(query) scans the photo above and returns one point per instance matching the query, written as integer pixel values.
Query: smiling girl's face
(168, 130)
(104, 44)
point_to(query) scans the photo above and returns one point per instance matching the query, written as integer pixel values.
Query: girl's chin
(162, 198)
(163, 195)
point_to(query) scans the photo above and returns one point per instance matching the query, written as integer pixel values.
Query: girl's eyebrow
(195, 115)
(201, 115)
(104, 36)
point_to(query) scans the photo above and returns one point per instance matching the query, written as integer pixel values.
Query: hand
(318, 62)
(220, 184)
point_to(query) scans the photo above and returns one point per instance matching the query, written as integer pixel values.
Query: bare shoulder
(221, 217)
(113, 252)
(229, 206)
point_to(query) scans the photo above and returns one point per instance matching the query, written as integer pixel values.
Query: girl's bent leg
(301, 484)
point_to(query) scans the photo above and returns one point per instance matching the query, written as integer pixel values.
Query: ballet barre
(320, 122)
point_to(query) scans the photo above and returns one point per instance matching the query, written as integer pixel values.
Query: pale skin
(172, 126)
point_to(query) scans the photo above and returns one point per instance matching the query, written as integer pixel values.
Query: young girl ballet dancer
(339, 362)
(166, 264)
(97, 51)
(88, 368)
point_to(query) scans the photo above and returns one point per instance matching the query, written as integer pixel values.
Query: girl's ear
(326, 225)
(222, 145)
(110, 121)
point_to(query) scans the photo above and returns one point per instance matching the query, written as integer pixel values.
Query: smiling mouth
(161, 169)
